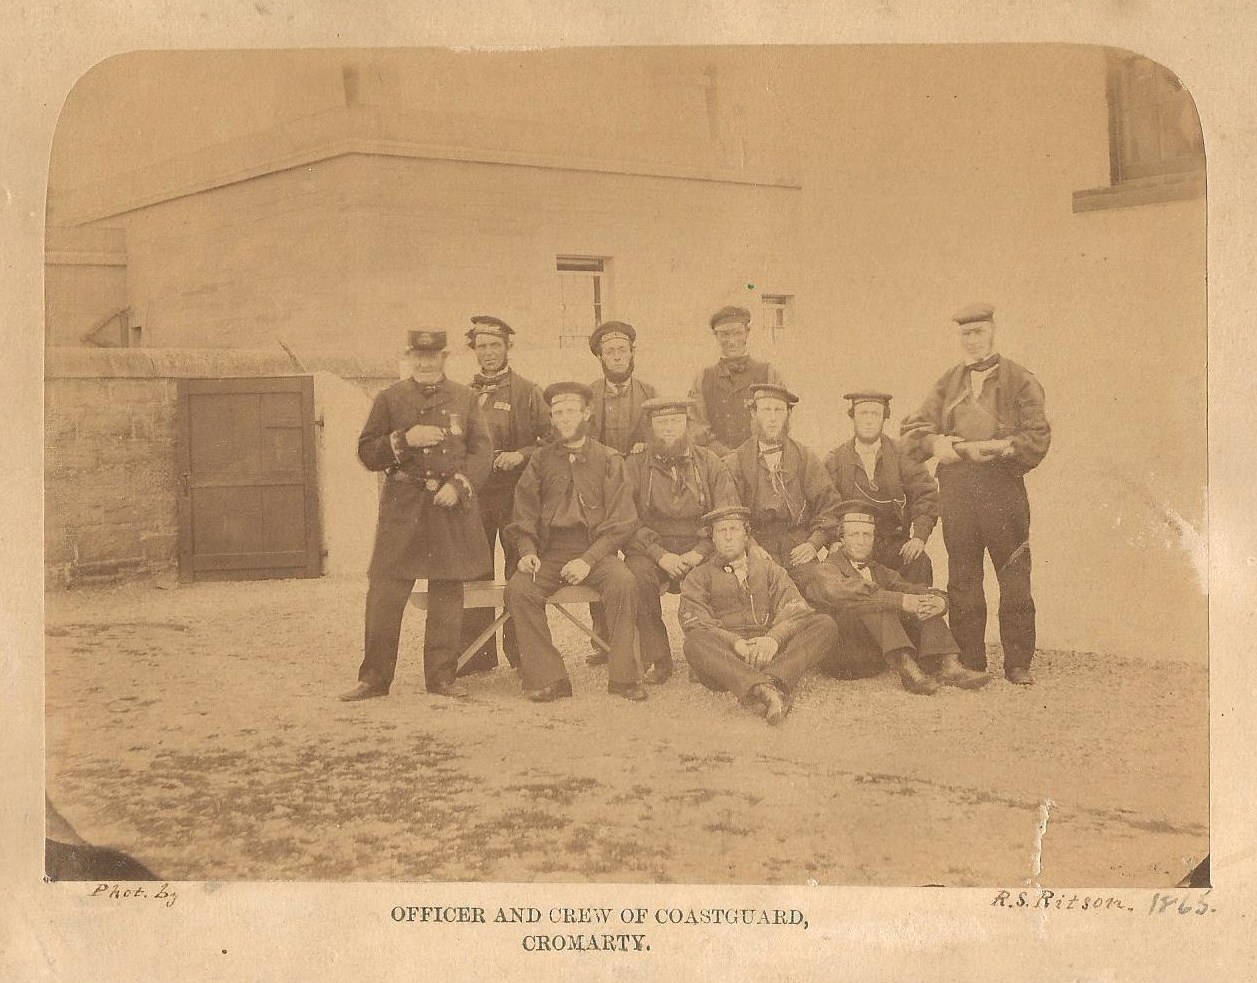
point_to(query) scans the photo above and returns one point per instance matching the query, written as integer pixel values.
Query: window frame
(1141, 181)
(571, 266)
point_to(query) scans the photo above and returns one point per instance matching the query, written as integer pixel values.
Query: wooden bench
(488, 594)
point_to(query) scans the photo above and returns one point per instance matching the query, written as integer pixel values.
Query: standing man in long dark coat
(573, 512)
(721, 392)
(792, 501)
(900, 492)
(674, 484)
(427, 435)
(519, 423)
(985, 423)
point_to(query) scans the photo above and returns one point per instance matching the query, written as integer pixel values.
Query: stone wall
(110, 476)
(111, 467)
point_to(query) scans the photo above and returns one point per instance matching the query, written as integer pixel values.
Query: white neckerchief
(771, 456)
(868, 457)
(978, 379)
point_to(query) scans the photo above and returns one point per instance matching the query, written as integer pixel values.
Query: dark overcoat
(903, 494)
(415, 538)
(1018, 415)
(799, 505)
(721, 417)
(638, 393)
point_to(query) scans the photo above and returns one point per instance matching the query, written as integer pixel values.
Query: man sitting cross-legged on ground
(885, 619)
(572, 512)
(674, 482)
(747, 630)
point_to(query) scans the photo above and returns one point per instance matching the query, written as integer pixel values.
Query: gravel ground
(198, 729)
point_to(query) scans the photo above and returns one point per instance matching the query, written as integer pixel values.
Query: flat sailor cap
(727, 512)
(973, 313)
(611, 329)
(485, 324)
(657, 405)
(770, 390)
(567, 390)
(855, 510)
(869, 396)
(730, 315)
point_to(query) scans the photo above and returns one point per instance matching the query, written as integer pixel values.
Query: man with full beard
(519, 423)
(615, 413)
(792, 501)
(674, 483)
(615, 417)
(573, 511)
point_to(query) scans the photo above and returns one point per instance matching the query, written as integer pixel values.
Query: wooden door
(248, 497)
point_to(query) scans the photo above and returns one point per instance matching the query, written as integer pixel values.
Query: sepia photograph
(673, 465)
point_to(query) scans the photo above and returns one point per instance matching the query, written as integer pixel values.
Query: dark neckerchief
(736, 365)
(989, 362)
(481, 382)
(680, 458)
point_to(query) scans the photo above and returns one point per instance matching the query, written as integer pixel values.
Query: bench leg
(483, 637)
(588, 631)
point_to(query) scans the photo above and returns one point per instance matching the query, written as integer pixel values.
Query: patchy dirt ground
(198, 728)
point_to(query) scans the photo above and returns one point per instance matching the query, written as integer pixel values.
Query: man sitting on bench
(573, 511)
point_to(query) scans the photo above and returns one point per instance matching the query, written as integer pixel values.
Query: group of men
(783, 562)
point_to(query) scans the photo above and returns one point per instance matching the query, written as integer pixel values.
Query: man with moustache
(616, 418)
(720, 392)
(792, 501)
(518, 422)
(747, 630)
(674, 483)
(883, 618)
(573, 511)
(873, 468)
(984, 421)
(427, 435)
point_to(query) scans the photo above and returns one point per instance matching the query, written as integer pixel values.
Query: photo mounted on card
(705, 465)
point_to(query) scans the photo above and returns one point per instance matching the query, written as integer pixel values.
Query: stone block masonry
(111, 467)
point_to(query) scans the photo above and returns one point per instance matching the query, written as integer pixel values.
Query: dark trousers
(386, 603)
(496, 503)
(526, 600)
(718, 667)
(868, 638)
(918, 571)
(598, 617)
(985, 510)
(652, 635)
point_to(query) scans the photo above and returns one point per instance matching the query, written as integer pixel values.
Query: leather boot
(951, 672)
(913, 679)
